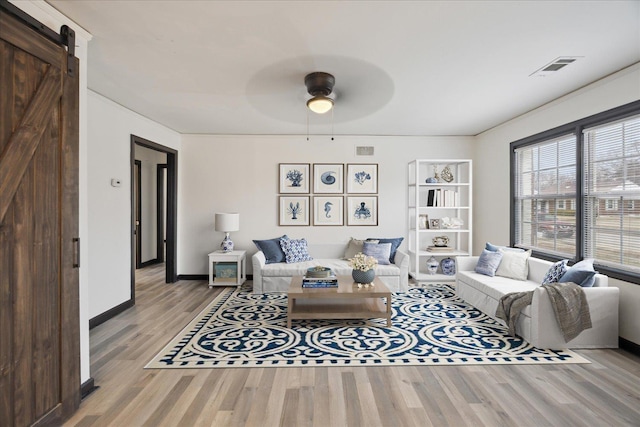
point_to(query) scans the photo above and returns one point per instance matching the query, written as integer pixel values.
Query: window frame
(576, 128)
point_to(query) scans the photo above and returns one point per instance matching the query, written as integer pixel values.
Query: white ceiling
(401, 67)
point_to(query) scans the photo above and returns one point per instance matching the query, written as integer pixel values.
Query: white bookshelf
(419, 203)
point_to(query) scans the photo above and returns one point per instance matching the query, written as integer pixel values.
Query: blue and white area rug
(431, 326)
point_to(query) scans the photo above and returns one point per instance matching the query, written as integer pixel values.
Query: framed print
(423, 222)
(434, 223)
(294, 210)
(362, 178)
(362, 210)
(328, 210)
(295, 178)
(328, 178)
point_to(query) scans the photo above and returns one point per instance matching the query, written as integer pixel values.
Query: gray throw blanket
(569, 305)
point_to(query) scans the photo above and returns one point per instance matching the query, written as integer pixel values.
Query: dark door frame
(172, 210)
(161, 213)
(137, 210)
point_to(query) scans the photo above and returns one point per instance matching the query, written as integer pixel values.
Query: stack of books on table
(438, 249)
(330, 281)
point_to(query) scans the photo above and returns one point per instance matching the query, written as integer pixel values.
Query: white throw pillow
(514, 265)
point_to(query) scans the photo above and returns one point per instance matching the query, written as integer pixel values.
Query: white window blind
(545, 196)
(612, 194)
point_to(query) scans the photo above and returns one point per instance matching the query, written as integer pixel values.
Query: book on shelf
(439, 249)
(443, 198)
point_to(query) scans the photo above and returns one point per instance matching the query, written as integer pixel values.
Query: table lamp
(227, 222)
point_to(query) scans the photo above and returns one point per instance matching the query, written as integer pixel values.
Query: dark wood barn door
(39, 249)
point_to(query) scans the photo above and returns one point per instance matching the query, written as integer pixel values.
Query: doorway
(166, 239)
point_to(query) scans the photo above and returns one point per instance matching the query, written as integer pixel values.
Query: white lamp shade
(227, 222)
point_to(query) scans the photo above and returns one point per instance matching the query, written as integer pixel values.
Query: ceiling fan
(319, 85)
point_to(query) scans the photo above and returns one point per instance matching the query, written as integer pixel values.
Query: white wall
(150, 159)
(240, 174)
(109, 208)
(491, 169)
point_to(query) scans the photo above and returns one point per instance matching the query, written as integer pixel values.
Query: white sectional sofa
(537, 323)
(276, 277)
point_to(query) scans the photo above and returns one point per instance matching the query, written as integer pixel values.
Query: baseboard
(150, 262)
(202, 277)
(629, 346)
(87, 388)
(193, 277)
(103, 317)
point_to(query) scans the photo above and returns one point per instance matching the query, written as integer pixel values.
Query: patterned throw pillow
(488, 262)
(556, 271)
(295, 250)
(380, 251)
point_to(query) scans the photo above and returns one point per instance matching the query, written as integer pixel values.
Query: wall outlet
(115, 182)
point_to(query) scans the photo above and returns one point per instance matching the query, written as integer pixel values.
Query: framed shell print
(328, 178)
(294, 178)
(294, 210)
(362, 210)
(328, 210)
(362, 178)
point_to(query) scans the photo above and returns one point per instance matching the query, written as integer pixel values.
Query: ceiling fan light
(320, 104)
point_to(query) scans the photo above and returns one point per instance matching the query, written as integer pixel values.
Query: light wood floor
(604, 393)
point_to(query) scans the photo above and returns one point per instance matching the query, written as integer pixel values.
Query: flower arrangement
(362, 262)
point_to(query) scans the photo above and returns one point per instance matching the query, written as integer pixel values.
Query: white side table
(239, 257)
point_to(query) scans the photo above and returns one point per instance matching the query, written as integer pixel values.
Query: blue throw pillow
(495, 248)
(395, 244)
(488, 262)
(271, 249)
(581, 273)
(295, 250)
(380, 251)
(555, 272)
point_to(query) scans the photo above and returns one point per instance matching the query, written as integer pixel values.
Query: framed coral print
(328, 210)
(362, 210)
(295, 178)
(328, 178)
(294, 210)
(362, 178)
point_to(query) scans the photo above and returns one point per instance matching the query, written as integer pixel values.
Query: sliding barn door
(39, 313)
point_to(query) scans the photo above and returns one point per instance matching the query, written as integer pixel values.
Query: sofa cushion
(339, 266)
(271, 249)
(395, 244)
(295, 250)
(353, 247)
(380, 251)
(495, 248)
(581, 273)
(497, 286)
(514, 265)
(488, 263)
(555, 272)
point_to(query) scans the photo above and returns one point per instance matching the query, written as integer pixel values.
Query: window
(545, 180)
(576, 192)
(612, 168)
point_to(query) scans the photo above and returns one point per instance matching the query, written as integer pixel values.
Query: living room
(226, 172)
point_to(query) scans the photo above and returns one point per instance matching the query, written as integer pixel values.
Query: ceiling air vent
(554, 66)
(364, 151)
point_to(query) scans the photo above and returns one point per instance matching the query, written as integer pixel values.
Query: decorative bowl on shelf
(440, 241)
(318, 272)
